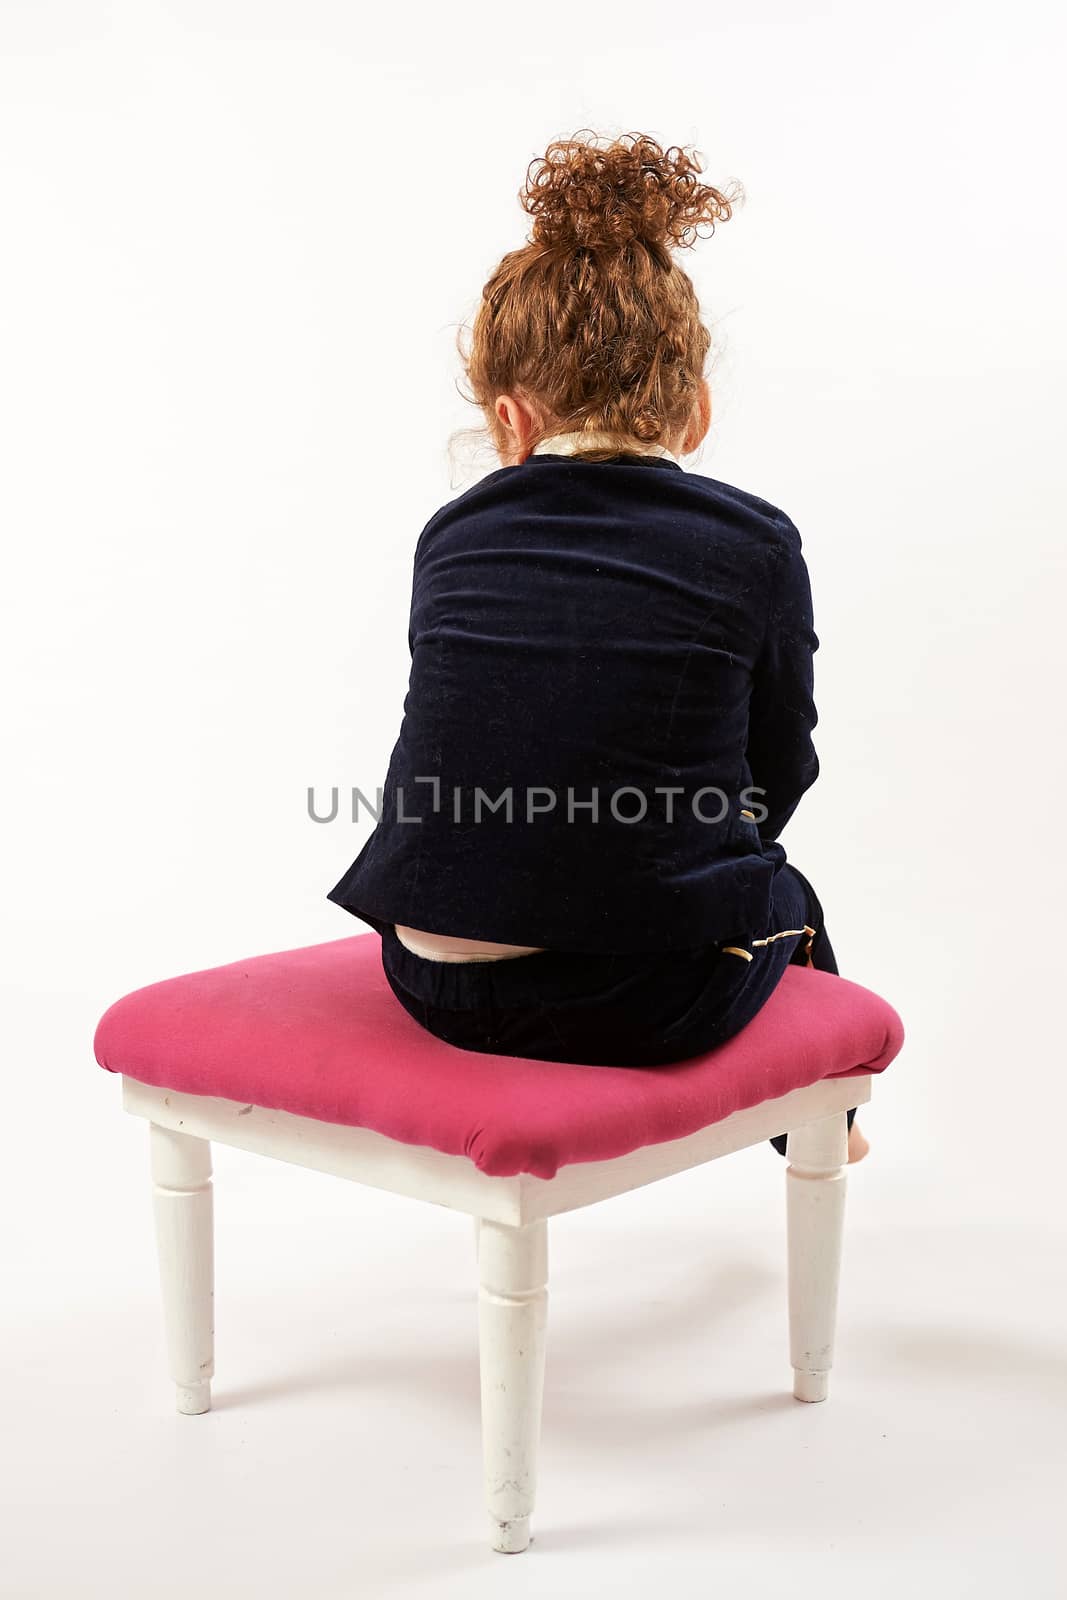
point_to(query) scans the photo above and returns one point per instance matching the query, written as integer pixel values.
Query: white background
(239, 241)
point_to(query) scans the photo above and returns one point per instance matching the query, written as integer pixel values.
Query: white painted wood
(181, 1177)
(815, 1210)
(512, 1314)
(510, 1233)
(454, 1181)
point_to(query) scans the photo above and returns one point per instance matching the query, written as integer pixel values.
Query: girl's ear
(504, 409)
(700, 421)
(518, 423)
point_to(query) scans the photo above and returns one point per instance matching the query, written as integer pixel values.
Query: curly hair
(592, 319)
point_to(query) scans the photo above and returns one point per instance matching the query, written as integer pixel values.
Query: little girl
(609, 714)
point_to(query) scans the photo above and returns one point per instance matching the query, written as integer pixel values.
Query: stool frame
(511, 1240)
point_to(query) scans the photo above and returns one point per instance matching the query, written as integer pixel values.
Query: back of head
(592, 320)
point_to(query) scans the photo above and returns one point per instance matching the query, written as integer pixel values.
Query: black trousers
(642, 1010)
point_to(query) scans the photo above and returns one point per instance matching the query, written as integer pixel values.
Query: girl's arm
(782, 714)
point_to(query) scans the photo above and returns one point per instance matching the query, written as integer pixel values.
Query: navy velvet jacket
(609, 713)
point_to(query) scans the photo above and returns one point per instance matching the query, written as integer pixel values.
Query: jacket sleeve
(782, 714)
(414, 603)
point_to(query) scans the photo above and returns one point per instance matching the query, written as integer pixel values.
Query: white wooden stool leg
(512, 1313)
(815, 1211)
(477, 1235)
(181, 1176)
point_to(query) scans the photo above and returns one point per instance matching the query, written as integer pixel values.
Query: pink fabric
(317, 1031)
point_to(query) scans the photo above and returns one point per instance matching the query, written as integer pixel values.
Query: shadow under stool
(305, 1055)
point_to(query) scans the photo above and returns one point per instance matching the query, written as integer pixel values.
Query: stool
(306, 1056)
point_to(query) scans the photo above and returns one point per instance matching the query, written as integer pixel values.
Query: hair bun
(584, 196)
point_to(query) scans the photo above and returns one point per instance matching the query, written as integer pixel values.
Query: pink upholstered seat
(318, 1032)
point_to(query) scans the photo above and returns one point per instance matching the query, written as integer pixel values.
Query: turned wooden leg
(477, 1235)
(815, 1210)
(512, 1313)
(181, 1176)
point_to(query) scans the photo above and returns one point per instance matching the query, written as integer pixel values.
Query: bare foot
(857, 1144)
